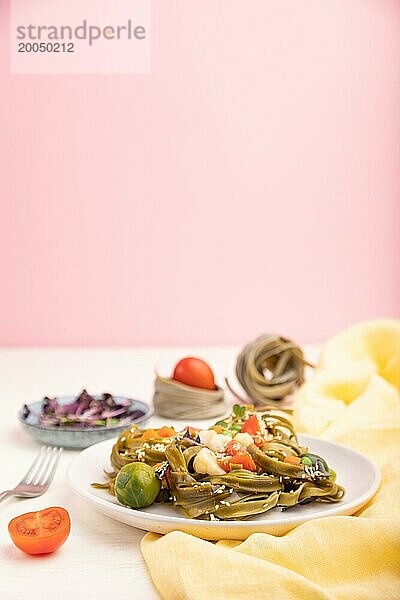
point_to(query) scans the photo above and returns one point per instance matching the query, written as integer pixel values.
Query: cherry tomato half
(40, 532)
(194, 372)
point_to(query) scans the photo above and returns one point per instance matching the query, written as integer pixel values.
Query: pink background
(249, 184)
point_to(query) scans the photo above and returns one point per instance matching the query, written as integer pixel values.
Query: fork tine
(41, 477)
(43, 468)
(48, 477)
(34, 476)
(27, 476)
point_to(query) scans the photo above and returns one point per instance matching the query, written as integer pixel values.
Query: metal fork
(38, 477)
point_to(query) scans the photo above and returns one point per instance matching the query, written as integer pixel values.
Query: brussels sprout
(136, 485)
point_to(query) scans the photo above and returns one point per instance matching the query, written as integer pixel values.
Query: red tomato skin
(224, 464)
(245, 460)
(194, 372)
(234, 448)
(251, 426)
(238, 455)
(41, 544)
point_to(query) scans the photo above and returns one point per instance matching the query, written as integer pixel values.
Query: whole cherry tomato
(195, 372)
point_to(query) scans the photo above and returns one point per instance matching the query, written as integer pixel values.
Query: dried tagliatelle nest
(270, 368)
(179, 401)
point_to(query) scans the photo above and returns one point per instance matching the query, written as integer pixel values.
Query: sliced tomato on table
(40, 532)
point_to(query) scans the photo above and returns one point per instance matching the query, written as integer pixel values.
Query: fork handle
(6, 494)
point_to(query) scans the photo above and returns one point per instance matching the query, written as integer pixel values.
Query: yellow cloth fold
(353, 398)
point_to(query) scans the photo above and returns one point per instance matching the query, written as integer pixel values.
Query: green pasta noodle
(245, 465)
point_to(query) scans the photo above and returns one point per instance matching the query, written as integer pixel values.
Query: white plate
(355, 472)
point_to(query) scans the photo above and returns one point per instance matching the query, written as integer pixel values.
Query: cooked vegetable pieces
(244, 465)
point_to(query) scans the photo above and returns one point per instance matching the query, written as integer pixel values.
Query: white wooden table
(101, 558)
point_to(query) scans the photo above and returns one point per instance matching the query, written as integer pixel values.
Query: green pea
(236, 427)
(228, 433)
(307, 461)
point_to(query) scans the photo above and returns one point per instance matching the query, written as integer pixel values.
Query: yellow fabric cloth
(353, 398)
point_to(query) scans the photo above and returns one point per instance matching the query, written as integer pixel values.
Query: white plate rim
(336, 509)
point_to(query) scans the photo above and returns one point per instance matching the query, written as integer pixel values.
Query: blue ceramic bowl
(68, 437)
